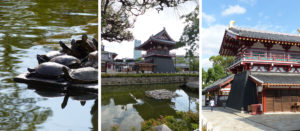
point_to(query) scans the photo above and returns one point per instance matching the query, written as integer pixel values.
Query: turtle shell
(84, 75)
(49, 70)
(67, 60)
(53, 54)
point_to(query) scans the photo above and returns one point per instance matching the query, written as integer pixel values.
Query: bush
(148, 75)
(186, 121)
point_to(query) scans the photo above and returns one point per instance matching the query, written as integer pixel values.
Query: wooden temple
(266, 68)
(219, 90)
(158, 58)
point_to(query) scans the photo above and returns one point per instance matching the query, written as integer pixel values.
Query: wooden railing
(264, 58)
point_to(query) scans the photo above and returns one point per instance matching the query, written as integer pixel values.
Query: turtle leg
(82, 103)
(30, 70)
(65, 102)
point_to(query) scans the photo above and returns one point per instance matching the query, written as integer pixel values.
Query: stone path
(225, 120)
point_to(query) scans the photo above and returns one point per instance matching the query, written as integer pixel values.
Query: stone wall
(146, 80)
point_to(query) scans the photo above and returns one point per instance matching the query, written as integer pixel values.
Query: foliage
(103, 75)
(117, 17)
(180, 60)
(139, 59)
(194, 63)
(178, 69)
(114, 23)
(190, 35)
(223, 61)
(220, 64)
(204, 78)
(184, 121)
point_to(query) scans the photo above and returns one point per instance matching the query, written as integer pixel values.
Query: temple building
(219, 90)
(107, 60)
(266, 68)
(158, 58)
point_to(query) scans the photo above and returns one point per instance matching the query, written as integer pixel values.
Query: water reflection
(127, 106)
(30, 27)
(80, 97)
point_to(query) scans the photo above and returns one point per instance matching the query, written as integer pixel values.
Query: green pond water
(127, 106)
(31, 27)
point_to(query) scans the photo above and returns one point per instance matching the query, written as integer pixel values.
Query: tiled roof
(218, 83)
(252, 33)
(276, 78)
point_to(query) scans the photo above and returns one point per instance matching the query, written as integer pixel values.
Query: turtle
(48, 56)
(83, 75)
(48, 70)
(71, 51)
(91, 60)
(88, 45)
(84, 46)
(67, 60)
(95, 42)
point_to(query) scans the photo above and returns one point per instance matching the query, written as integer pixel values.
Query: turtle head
(73, 42)
(42, 58)
(84, 37)
(65, 70)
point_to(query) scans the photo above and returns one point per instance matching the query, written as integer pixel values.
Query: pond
(127, 106)
(31, 27)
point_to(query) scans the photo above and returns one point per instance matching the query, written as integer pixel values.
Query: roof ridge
(262, 31)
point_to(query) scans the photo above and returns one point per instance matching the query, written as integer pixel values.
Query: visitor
(212, 104)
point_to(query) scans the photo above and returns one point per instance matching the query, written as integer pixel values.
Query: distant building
(107, 60)
(158, 58)
(137, 53)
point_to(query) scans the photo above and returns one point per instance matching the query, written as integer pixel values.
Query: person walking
(212, 104)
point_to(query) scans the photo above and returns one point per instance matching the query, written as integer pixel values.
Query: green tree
(194, 64)
(190, 35)
(118, 16)
(223, 61)
(204, 78)
(220, 64)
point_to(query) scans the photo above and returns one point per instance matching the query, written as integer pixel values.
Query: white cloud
(212, 39)
(237, 9)
(206, 63)
(151, 23)
(209, 19)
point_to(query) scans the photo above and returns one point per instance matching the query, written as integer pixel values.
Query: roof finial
(164, 28)
(298, 31)
(231, 23)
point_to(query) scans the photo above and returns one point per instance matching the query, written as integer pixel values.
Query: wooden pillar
(264, 100)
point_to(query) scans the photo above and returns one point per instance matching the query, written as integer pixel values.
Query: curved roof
(269, 35)
(161, 37)
(218, 83)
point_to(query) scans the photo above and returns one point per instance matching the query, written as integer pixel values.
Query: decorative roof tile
(252, 33)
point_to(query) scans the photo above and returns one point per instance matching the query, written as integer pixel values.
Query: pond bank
(105, 81)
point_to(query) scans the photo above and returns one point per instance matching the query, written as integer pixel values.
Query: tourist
(212, 104)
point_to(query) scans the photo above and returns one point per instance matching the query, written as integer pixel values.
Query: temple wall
(146, 80)
(274, 69)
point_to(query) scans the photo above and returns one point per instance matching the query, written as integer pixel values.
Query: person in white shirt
(212, 104)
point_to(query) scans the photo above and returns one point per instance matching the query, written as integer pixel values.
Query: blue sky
(270, 15)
